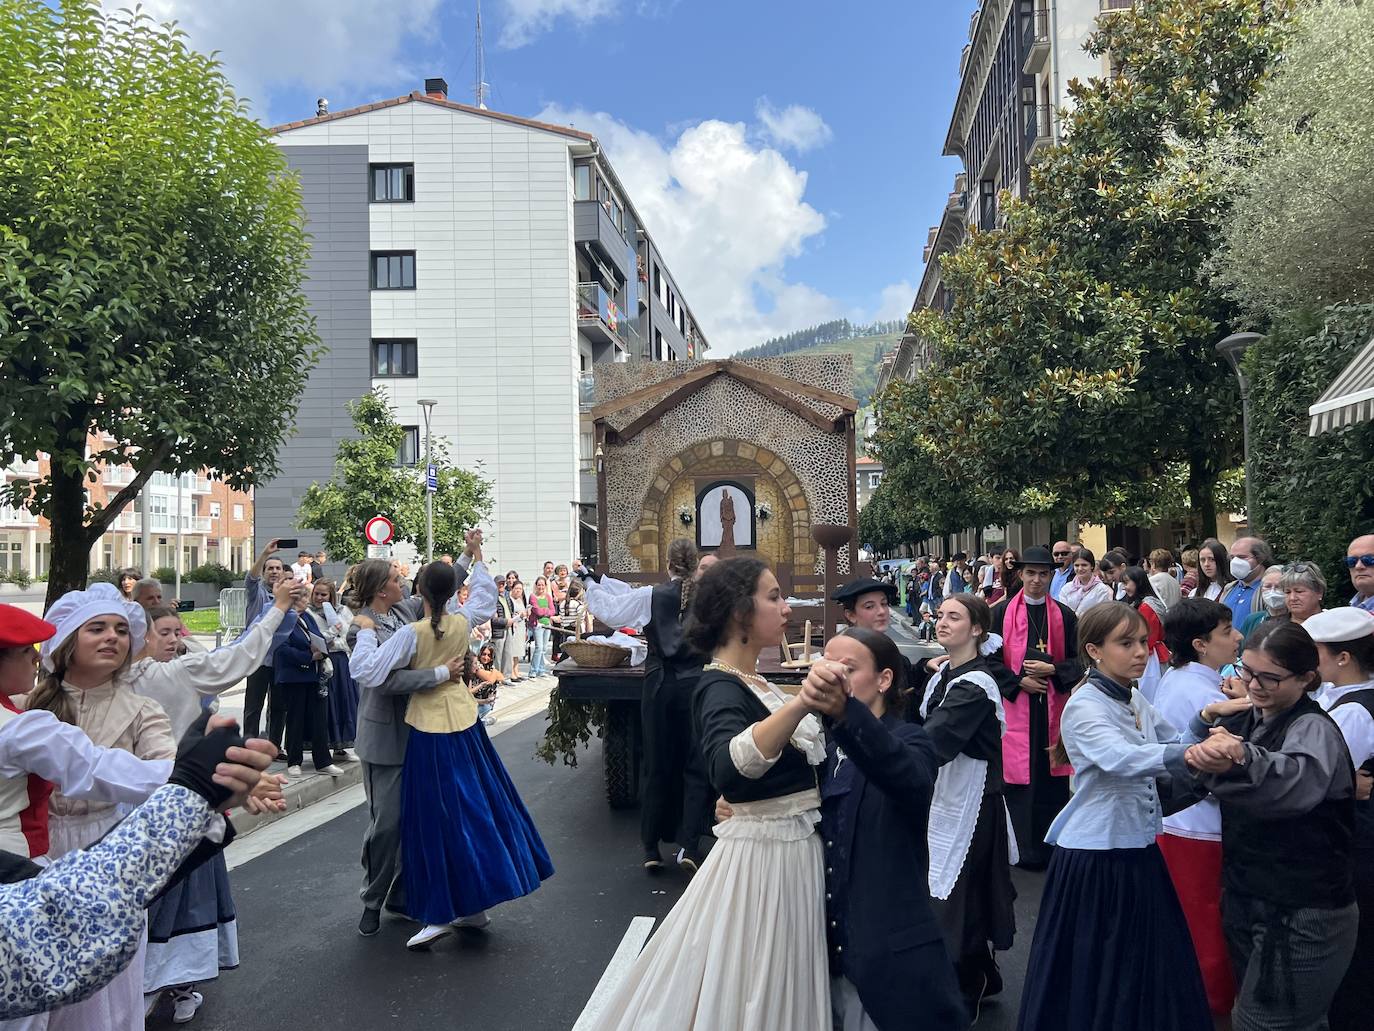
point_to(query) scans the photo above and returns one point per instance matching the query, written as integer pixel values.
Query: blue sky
(786, 155)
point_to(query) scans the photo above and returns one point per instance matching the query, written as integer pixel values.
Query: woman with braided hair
(677, 800)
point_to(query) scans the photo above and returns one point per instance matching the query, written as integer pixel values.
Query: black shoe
(994, 976)
(371, 922)
(653, 860)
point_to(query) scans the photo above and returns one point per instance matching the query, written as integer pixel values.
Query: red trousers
(1195, 868)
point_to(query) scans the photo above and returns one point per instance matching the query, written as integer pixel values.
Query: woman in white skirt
(744, 948)
(85, 683)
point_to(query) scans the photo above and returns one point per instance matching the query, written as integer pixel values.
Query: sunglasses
(1364, 560)
(1062, 554)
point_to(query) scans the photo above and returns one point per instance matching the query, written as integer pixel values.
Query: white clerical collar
(1034, 601)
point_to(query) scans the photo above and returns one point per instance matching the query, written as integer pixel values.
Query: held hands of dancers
(826, 689)
(1233, 705)
(217, 764)
(287, 592)
(1217, 754)
(473, 546)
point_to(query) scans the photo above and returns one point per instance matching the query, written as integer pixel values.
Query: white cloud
(895, 301)
(322, 45)
(528, 19)
(795, 127)
(727, 215)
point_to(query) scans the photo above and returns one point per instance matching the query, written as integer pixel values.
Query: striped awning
(1350, 398)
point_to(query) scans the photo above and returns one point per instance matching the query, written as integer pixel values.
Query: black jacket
(668, 647)
(880, 925)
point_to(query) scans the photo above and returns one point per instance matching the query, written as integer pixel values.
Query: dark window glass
(392, 183)
(394, 358)
(393, 270)
(409, 451)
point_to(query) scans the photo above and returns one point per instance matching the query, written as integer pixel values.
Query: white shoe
(488, 720)
(428, 936)
(293, 771)
(333, 770)
(346, 755)
(185, 1002)
(477, 922)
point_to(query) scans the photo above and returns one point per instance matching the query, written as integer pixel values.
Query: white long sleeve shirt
(179, 685)
(37, 742)
(617, 604)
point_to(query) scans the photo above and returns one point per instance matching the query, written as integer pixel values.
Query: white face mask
(1274, 602)
(1240, 568)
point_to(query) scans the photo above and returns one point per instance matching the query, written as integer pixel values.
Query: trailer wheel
(621, 755)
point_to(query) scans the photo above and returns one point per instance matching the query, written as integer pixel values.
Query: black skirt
(981, 910)
(1111, 948)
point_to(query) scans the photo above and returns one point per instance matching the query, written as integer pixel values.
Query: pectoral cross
(1042, 645)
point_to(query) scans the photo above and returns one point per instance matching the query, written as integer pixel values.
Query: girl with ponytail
(485, 850)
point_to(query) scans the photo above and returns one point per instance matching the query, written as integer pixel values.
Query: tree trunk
(71, 541)
(1202, 498)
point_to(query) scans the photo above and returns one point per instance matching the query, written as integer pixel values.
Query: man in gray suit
(382, 729)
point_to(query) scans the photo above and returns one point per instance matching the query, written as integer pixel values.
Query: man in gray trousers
(382, 728)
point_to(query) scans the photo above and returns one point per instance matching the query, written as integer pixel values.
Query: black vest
(668, 645)
(1296, 862)
(1364, 811)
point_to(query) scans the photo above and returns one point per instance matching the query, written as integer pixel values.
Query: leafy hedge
(212, 573)
(1312, 495)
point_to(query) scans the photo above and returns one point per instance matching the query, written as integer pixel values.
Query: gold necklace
(727, 668)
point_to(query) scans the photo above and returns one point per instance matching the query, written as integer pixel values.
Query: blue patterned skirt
(467, 841)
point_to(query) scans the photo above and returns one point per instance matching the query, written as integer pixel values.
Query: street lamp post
(1233, 349)
(427, 408)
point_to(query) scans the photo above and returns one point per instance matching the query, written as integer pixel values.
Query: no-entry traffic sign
(378, 530)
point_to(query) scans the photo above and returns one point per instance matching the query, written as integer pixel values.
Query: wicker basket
(596, 656)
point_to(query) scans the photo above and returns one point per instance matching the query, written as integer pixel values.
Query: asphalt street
(305, 966)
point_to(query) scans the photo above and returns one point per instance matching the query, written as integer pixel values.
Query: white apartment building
(486, 262)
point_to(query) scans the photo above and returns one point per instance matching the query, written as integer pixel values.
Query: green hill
(867, 344)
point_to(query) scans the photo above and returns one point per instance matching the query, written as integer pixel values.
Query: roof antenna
(481, 87)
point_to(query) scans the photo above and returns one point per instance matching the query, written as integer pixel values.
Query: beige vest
(449, 707)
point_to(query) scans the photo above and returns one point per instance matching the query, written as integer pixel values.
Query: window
(409, 451)
(392, 184)
(659, 349)
(393, 270)
(394, 358)
(658, 283)
(238, 512)
(874, 479)
(582, 182)
(214, 510)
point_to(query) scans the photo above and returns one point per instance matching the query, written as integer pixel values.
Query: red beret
(20, 627)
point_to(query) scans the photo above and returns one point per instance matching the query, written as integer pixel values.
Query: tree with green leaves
(152, 257)
(1078, 357)
(368, 481)
(1302, 228)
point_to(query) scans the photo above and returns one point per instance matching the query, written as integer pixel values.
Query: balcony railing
(20, 467)
(1117, 5)
(1035, 40)
(10, 516)
(1039, 128)
(163, 522)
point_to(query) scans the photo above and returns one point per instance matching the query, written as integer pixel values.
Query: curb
(301, 792)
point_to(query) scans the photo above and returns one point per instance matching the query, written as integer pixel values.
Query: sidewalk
(514, 703)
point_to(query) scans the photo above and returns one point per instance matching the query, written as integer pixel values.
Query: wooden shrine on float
(738, 456)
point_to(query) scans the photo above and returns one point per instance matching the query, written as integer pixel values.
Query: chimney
(436, 88)
(321, 107)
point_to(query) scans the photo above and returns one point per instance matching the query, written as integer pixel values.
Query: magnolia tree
(1302, 227)
(152, 256)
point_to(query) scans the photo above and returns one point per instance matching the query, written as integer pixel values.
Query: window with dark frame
(398, 357)
(408, 454)
(391, 184)
(393, 270)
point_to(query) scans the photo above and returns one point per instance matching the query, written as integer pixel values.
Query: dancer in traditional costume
(1111, 946)
(971, 846)
(676, 798)
(193, 928)
(484, 849)
(1040, 652)
(889, 967)
(744, 948)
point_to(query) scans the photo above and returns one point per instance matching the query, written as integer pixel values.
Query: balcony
(599, 318)
(10, 516)
(1108, 6)
(1039, 129)
(163, 522)
(586, 391)
(1035, 40)
(594, 228)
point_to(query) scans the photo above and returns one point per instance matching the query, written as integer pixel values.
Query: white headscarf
(75, 608)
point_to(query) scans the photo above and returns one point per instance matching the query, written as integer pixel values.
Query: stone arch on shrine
(783, 539)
